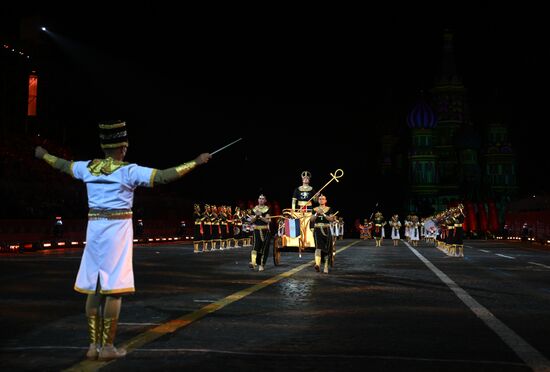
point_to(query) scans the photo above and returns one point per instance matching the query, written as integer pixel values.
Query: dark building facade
(451, 158)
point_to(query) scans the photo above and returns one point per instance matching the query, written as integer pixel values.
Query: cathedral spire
(448, 73)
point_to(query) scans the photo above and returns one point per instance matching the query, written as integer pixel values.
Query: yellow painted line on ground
(185, 320)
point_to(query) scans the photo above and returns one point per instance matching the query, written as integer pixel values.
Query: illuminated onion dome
(421, 117)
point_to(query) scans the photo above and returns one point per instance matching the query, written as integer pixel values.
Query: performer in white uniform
(106, 267)
(395, 226)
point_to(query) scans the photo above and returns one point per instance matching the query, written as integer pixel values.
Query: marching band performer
(262, 234)
(106, 270)
(198, 234)
(414, 230)
(238, 227)
(207, 227)
(379, 224)
(216, 230)
(395, 226)
(324, 244)
(459, 230)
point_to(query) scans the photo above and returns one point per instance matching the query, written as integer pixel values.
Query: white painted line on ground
(539, 264)
(208, 301)
(531, 356)
(503, 255)
(484, 250)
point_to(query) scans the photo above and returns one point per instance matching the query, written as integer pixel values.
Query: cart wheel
(277, 242)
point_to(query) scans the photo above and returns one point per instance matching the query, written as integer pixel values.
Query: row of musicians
(219, 224)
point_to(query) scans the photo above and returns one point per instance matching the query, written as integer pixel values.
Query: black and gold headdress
(113, 134)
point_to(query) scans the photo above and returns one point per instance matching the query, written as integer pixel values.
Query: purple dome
(421, 116)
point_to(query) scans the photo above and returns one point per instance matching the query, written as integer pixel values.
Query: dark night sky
(274, 76)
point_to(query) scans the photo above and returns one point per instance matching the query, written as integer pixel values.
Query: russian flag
(292, 227)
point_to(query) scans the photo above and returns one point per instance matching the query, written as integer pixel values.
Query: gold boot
(253, 255)
(94, 333)
(108, 351)
(317, 260)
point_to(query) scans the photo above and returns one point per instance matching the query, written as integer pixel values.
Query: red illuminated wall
(33, 92)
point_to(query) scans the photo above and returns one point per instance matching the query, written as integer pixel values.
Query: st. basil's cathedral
(450, 159)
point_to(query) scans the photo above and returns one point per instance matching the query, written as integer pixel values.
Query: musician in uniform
(395, 225)
(207, 227)
(198, 233)
(378, 228)
(459, 230)
(224, 227)
(216, 230)
(414, 230)
(238, 227)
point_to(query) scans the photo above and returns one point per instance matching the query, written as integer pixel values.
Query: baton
(218, 150)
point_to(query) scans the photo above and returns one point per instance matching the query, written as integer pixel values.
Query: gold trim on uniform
(121, 290)
(71, 168)
(121, 214)
(50, 159)
(322, 224)
(261, 209)
(324, 209)
(302, 203)
(305, 188)
(104, 166)
(152, 178)
(186, 167)
(261, 227)
(112, 126)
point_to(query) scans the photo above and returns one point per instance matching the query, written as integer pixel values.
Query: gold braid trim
(50, 159)
(186, 167)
